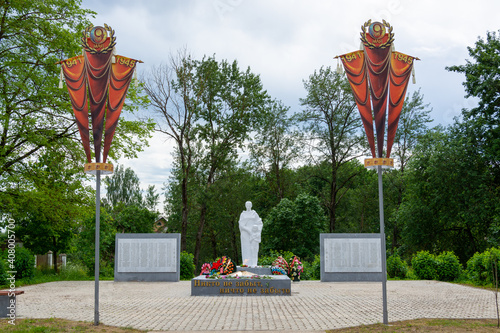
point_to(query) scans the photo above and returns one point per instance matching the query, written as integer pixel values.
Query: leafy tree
(34, 35)
(52, 206)
(295, 226)
(482, 80)
(123, 187)
(36, 116)
(413, 124)
(83, 245)
(171, 91)
(449, 203)
(152, 198)
(34, 113)
(333, 124)
(359, 210)
(231, 102)
(275, 147)
(133, 219)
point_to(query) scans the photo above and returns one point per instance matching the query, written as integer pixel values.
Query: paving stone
(313, 306)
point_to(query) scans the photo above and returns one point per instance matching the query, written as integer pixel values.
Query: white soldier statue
(250, 229)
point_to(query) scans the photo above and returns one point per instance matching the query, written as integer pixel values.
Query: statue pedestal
(278, 285)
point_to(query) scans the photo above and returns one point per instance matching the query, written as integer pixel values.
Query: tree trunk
(333, 198)
(184, 221)
(203, 213)
(199, 235)
(235, 255)
(333, 218)
(213, 240)
(186, 167)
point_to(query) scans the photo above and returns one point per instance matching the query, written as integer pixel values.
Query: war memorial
(378, 76)
(147, 266)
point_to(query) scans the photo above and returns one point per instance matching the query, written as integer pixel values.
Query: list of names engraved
(352, 255)
(148, 255)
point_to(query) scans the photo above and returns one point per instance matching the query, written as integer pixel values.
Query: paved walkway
(312, 307)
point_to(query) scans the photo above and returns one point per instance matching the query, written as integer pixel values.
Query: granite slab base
(278, 285)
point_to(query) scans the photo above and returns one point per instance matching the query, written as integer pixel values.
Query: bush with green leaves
(492, 261)
(107, 269)
(448, 266)
(396, 267)
(187, 266)
(271, 255)
(480, 266)
(3, 272)
(315, 268)
(425, 265)
(24, 263)
(74, 272)
(476, 272)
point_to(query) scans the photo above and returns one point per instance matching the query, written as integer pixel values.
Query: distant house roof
(160, 226)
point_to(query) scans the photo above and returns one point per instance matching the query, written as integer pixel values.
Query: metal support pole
(382, 245)
(97, 231)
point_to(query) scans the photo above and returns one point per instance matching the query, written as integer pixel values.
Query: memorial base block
(278, 285)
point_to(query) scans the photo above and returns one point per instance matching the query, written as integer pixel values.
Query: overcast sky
(285, 41)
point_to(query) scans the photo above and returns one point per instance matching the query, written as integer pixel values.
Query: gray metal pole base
(97, 231)
(382, 245)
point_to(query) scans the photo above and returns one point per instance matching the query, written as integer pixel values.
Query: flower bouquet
(295, 268)
(279, 266)
(223, 266)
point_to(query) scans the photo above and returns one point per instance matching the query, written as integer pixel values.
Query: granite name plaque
(351, 257)
(278, 285)
(147, 257)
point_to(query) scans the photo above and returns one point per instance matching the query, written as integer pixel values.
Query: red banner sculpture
(98, 81)
(382, 74)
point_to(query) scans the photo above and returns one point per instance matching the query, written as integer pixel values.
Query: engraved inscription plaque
(148, 255)
(352, 255)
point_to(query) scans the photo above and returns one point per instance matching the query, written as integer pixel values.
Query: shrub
(106, 269)
(3, 274)
(306, 274)
(476, 272)
(24, 263)
(270, 257)
(73, 272)
(492, 256)
(396, 267)
(480, 266)
(449, 267)
(187, 266)
(315, 268)
(424, 265)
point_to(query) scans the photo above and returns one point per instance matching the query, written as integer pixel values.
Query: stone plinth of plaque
(147, 257)
(260, 270)
(278, 285)
(350, 257)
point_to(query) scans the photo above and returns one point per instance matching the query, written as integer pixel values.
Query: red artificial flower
(216, 265)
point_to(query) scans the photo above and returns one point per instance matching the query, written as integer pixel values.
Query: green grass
(54, 325)
(426, 325)
(72, 273)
